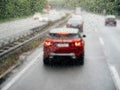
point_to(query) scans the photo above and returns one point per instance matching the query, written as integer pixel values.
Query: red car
(64, 42)
(110, 20)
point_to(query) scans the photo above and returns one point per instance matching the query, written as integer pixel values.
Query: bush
(20, 8)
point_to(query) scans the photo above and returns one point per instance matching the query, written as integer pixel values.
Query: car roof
(74, 20)
(77, 16)
(68, 30)
(110, 16)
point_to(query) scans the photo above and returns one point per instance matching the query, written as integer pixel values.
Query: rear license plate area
(62, 44)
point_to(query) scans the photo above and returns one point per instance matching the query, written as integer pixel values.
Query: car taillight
(48, 43)
(77, 44)
(67, 25)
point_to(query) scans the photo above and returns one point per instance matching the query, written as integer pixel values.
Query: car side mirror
(83, 36)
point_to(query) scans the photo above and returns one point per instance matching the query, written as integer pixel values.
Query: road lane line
(115, 76)
(8, 85)
(101, 41)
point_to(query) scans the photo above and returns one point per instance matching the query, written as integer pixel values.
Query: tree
(19, 8)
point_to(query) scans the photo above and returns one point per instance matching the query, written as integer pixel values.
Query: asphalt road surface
(101, 70)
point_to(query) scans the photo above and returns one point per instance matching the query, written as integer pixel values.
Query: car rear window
(53, 35)
(110, 18)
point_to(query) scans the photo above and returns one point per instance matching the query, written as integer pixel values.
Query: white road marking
(115, 76)
(8, 85)
(101, 41)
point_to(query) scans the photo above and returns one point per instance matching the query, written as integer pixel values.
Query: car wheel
(105, 24)
(82, 30)
(80, 59)
(46, 60)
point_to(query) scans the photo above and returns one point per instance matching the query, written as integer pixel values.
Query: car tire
(105, 24)
(82, 30)
(80, 59)
(45, 60)
(115, 24)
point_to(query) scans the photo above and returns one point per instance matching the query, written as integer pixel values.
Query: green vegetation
(20, 8)
(97, 6)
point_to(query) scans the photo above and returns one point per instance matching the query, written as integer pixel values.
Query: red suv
(64, 42)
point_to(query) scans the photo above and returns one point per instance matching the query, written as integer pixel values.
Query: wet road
(101, 55)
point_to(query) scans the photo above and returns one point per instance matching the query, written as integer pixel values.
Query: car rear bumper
(72, 55)
(110, 22)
